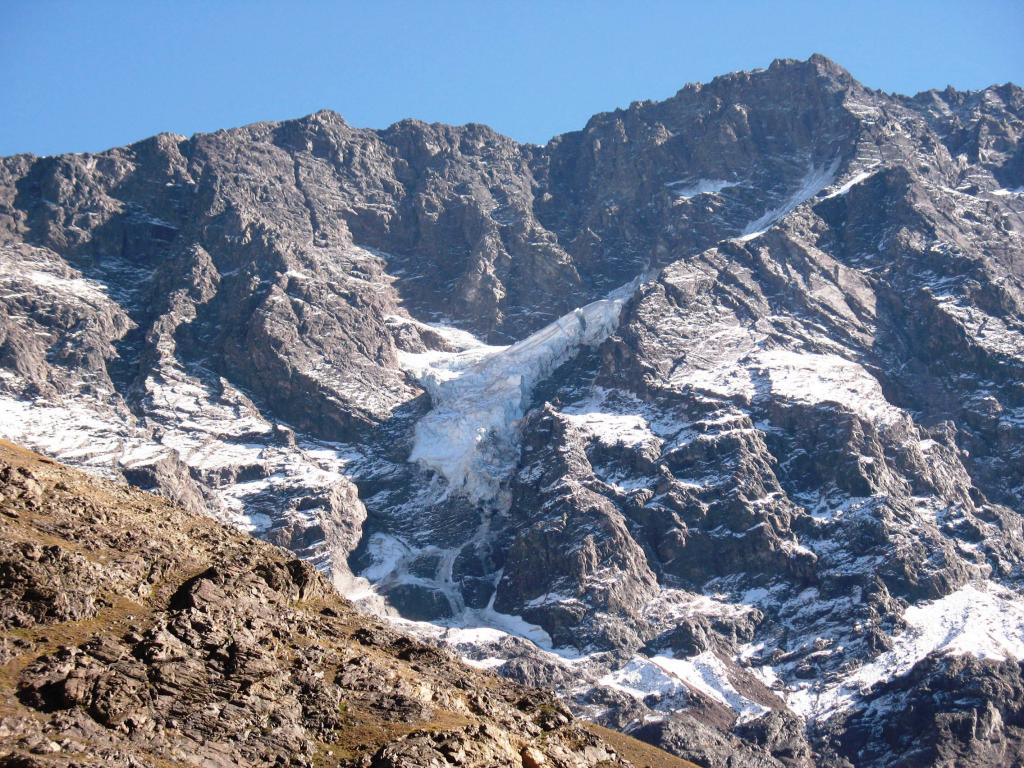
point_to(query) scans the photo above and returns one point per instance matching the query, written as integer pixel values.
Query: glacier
(480, 394)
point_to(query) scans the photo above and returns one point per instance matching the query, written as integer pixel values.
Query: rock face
(949, 711)
(761, 490)
(134, 633)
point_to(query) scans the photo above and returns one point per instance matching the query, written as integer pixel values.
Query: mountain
(708, 416)
(139, 634)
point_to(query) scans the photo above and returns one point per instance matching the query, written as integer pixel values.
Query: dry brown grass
(366, 733)
(639, 753)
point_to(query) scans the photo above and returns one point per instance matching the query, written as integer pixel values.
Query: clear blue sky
(84, 76)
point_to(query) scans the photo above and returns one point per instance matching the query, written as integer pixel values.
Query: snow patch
(983, 620)
(611, 428)
(802, 377)
(684, 190)
(724, 381)
(386, 553)
(69, 431)
(641, 678)
(491, 662)
(709, 675)
(814, 378)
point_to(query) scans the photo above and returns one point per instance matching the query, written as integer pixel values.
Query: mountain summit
(708, 416)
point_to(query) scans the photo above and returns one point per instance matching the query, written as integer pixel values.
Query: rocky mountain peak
(705, 415)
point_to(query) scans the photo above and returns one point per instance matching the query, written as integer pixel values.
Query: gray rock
(812, 407)
(141, 633)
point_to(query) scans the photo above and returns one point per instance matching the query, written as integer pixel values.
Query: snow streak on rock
(817, 179)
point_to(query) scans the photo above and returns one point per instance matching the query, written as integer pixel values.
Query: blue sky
(84, 76)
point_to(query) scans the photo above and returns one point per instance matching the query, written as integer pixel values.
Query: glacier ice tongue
(481, 394)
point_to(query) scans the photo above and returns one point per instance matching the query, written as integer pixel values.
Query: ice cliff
(480, 394)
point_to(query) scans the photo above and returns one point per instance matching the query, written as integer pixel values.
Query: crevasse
(480, 395)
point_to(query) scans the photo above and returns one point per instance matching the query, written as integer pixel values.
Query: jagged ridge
(804, 432)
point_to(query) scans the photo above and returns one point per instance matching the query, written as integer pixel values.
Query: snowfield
(983, 620)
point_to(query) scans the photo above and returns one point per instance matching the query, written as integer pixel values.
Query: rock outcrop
(135, 633)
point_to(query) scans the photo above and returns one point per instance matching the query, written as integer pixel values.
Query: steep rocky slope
(760, 492)
(134, 633)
